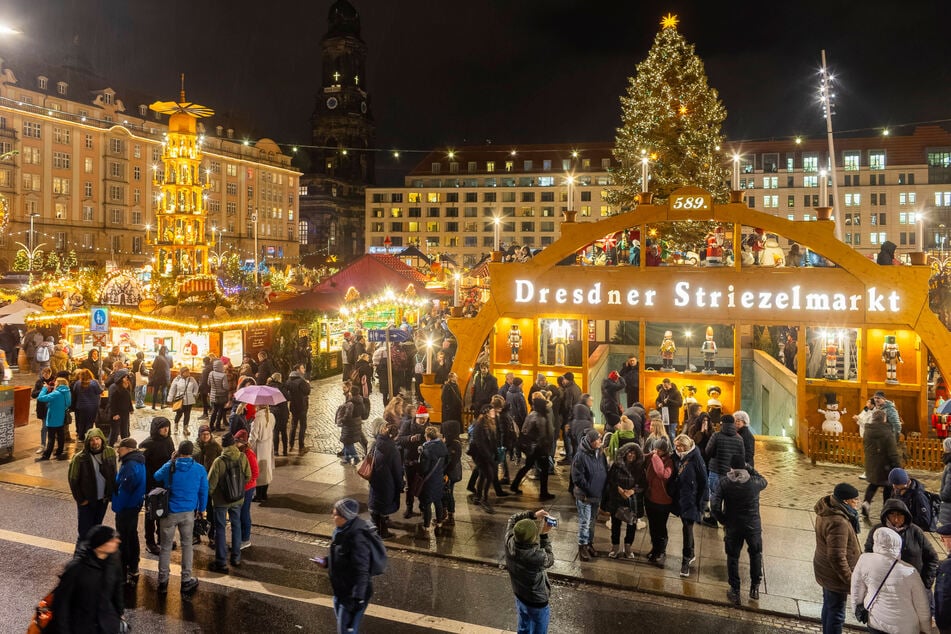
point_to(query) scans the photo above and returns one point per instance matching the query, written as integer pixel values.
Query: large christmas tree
(671, 116)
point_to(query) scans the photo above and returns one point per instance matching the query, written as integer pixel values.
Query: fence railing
(919, 452)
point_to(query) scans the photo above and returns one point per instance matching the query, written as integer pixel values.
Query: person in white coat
(262, 443)
(901, 604)
(185, 389)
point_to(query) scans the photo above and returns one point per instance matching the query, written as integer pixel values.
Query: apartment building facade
(448, 203)
(83, 161)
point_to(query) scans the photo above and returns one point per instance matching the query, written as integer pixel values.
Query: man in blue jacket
(127, 502)
(188, 482)
(589, 472)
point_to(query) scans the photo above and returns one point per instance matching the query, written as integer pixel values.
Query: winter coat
(749, 443)
(582, 419)
(218, 384)
(735, 502)
(571, 396)
(692, 491)
(700, 437)
(881, 452)
(917, 502)
(298, 389)
(611, 400)
(624, 475)
(673, 400)
(630, 374)
(484, 387)
(184, 388)
(892, 417)
(216, 480)
(349, 562)
(623, 434)
(59, 359)
(942, 596)
(189, 484)
(535, 431)
(57, 403)
(517, 408)
(253, 465)
(483, 445)
(161, 373)
(505, 428)
(901, 606)
(450, 431)
(130, 483)
(411, 438)
(157, 450)
(451, 402)
(386, 479)
(944, 514)
(723, 445)
(659, 471)
(916, 548)
(265, 370)
(886, 256)
(203, 387)
(93, 365)
(90, 596)
(527, 563)
(87, 399)
(120, 401)
(40, 405)
(837, 545)
(85, 464)
(589, 473)
(262, 442)
(432, 465)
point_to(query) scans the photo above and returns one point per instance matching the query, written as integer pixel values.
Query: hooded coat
(735, 502)
(582, 419)
(611, 390)
(298, 390)
(916, 548)
(527, 564)
(216, 481)
(349, 562)
(837, 545)
(189, 484)
(451, 402)
(692, 491)
(886, 256)
(157, 449)
(722, 446)
(881, 452)
(130, 483)
(262, 443)
(432, 465)
(901, 606)
(624, 475)
(589, 473)
(89, 598)
(83, 467)
(386, 479)
(57, 402)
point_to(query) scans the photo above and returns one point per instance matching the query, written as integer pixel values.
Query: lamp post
(254, 219)
(218, 253)
(687, 335)
(498, 232)
(570, 182)
(31, 250)
(455, 288)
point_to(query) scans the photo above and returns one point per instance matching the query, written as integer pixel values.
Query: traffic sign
(379, 335)
(99, 340)
(99, 319)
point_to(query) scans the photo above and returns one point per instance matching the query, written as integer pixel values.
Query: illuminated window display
(559, 343)
(832, 354)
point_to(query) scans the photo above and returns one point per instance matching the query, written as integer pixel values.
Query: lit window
(810, 181)
(876, 159)
(851, 160)
(810, 162)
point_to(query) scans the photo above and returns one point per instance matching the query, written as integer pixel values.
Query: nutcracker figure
(515, 343)
(714, 406)
(714, 253)
(833, 414)
(832, 356)
(667, 350)
(690, 397)
(560, 333)
(709, 350)
(891, 355)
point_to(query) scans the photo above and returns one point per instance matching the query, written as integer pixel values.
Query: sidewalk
(305, 488)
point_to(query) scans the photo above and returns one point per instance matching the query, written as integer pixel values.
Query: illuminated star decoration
(669, 21)
(683, 110)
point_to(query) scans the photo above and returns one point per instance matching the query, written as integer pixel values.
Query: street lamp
(498, 232)
(570, 182)
(31, 250)
(218, 254)
(254, 219)
(687, 335)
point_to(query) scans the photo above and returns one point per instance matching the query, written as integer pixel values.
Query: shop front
(853, 327)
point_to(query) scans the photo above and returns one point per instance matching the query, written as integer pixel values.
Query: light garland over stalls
(389, 297)
(203, 326)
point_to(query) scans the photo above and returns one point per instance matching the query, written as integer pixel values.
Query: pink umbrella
(260, 395)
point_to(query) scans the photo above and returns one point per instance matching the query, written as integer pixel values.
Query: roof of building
(537, 154)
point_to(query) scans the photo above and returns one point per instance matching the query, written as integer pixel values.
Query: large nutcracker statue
(709, 350)
(832, 356)
(515, 343)
(667, 350)
(891, 355)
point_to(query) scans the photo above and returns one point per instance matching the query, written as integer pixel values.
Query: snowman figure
(832, 424)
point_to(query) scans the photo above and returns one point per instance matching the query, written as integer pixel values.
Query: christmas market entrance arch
(854, 293)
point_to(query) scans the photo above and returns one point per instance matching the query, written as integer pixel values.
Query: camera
(551, 521)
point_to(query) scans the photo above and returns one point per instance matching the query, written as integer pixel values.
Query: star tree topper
(669, 21)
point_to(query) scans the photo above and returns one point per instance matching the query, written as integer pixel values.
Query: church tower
(341, 159)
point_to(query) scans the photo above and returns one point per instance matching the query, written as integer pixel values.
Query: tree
(671, 116)
(38, 260)
(70, 261)
(52, 261)
(21, 263)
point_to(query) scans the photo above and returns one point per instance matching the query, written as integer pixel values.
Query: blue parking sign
(99, 319)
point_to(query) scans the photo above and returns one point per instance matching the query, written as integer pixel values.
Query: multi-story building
(449, 202)
(83, 161)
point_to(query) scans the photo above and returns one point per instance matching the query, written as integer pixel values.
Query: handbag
(177, 403)
(862, 610)
(366, 467)
(419, 481)
(42, 615)
(157, 500)
(626, 513)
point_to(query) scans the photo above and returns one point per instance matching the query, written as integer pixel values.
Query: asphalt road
(278, 590)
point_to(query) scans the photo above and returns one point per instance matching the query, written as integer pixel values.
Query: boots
(261, 492)
(583, 552)
(591, 550)
(450, 520)
(382, 526)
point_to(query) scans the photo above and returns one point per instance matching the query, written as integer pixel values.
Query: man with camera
(528, 555)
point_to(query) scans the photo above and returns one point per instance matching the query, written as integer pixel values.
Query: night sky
(509, 71)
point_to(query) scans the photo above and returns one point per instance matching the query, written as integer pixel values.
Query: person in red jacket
(241, 439)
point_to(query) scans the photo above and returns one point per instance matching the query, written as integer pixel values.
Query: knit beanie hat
(737, 461)
(99, 535)
(203, 429)
(526, 531)
(845, 491)
(347, 508)
(241, 435)
(227, 440)
(592, 435)
(898, 476)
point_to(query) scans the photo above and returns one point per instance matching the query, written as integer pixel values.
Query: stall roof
(16, 312)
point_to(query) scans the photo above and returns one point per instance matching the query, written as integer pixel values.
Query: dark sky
(513, 71)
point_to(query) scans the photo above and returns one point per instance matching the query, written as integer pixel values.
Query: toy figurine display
(714, 406)
(709, 350)
(560, 333)
(515, 343)
(690, 397)
(714, 251)
(667, 350)
(832, 424)
(891, 355)
(832, 356)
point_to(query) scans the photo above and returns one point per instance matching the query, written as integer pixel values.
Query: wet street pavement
(451, 575)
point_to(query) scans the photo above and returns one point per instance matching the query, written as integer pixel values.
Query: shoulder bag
(419, 481)
(365, 470)
(862, 610)
(157, 500)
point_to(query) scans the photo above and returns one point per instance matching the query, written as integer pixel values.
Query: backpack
(233, 481)
(377, 552)
(43, 354)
